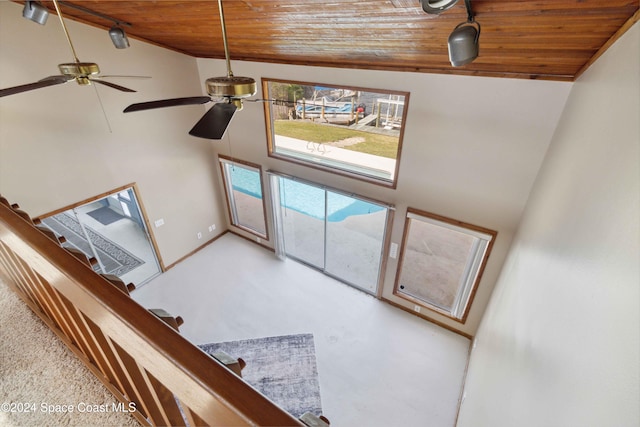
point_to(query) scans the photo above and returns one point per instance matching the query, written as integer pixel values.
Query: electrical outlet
(210, 229)
(159, 222)
(416, 308)
(199, 235)
(213, 227)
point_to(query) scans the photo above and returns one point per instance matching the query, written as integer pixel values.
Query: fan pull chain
(104, 113)
(229, 144)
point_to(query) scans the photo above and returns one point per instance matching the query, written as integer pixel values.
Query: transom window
(349, 130)
(441, 262)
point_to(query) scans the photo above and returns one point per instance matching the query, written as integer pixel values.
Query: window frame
(227, 185)
(271, 148)
(455, 225)
(279, 245)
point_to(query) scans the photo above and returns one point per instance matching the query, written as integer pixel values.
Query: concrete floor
(129, 236)
(377, 365)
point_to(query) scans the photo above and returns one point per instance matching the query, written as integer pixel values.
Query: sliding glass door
(303, 215)
(355, 231)
(342, 235)
(112, 230)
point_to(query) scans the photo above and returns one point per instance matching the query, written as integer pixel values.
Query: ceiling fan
(84, 73)
(232, 90)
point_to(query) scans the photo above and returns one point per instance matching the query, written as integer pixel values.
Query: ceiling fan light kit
(35, 12)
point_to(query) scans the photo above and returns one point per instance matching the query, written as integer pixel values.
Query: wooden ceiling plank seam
(537, 39)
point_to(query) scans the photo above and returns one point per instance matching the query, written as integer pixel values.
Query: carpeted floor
(283, 368)
(38, 372)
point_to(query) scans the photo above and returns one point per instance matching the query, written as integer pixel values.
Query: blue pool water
(246, 181)
(304, 198)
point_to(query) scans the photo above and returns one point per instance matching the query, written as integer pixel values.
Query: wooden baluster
(88, 261)
(50, 234)
(236, 365)
(313, 420)
(115, 281)
(167, 318)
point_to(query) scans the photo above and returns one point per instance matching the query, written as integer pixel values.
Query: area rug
(115, 259)
(105, 215)
(283, 368)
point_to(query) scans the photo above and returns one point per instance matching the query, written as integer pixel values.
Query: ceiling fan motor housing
(80, 71)
(231, 87)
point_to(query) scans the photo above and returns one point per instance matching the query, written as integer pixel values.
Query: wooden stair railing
(115, 281)
(138, 357)
(236, 365)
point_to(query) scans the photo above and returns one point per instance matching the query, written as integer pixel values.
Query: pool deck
(326, 153)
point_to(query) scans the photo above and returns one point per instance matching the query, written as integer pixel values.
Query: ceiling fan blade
(112, 85)
(215, 121)
(47, 81)
(274, 101)
(173, 102)
(119, 76)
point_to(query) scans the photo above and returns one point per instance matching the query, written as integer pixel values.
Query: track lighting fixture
(435, 7)
(119, 37)
(117, 34)
(35, 12)
(463, 41)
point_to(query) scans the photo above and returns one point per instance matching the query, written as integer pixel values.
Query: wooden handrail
(136, 355)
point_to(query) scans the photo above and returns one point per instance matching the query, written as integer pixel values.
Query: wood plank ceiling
(546, 39)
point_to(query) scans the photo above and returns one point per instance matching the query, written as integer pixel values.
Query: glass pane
(355, 234)
(434, 263)
(247, 204)
(303, 208)
(119, 241)
(353, 130)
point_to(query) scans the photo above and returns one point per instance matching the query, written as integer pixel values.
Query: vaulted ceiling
(545, 39)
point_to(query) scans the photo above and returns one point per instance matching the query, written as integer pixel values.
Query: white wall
(559, 343)
(472, 146)
(56, 148)
(471, 151)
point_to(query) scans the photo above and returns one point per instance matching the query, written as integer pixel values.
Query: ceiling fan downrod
(79, 70)
(230, 87)
(224, 39)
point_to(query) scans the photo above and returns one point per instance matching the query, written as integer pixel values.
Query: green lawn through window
(373, 143)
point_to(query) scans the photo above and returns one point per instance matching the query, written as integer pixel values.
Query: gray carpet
(116, 259)
(105, 215)
(283, 368)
